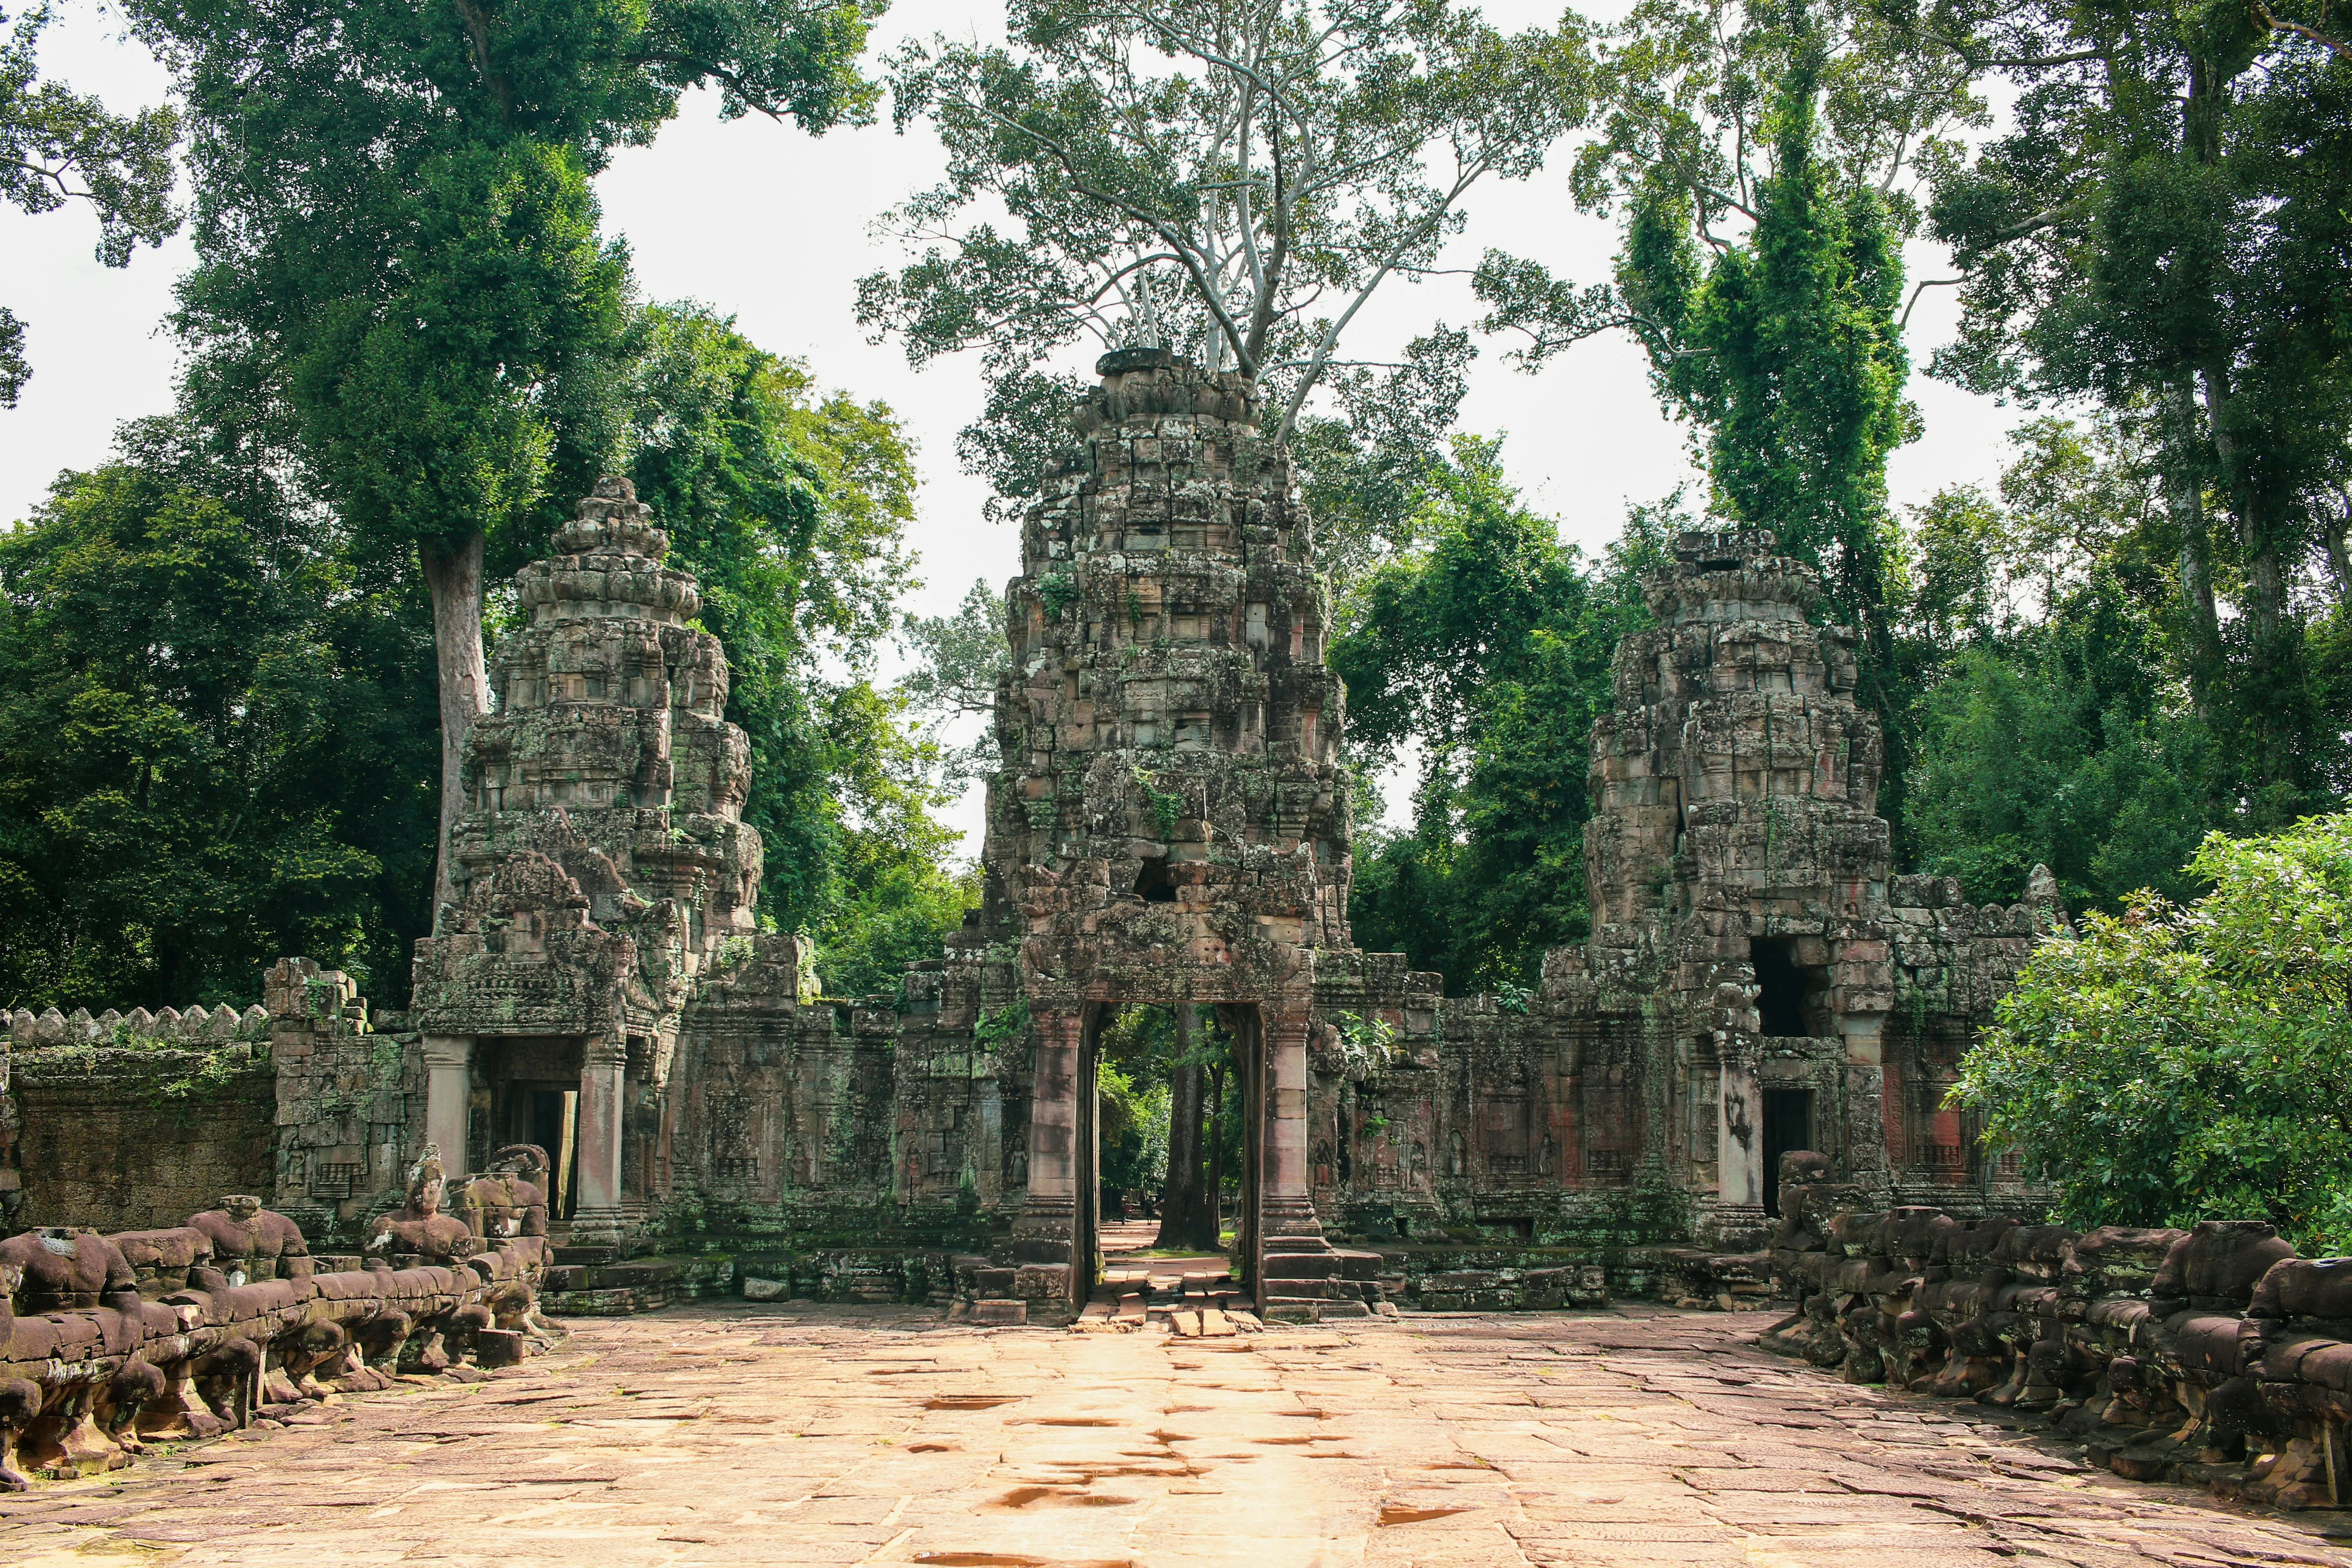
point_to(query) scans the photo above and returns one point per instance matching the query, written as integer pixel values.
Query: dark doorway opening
(1242, 1025)
(1788, 990)
(1153, 884)
(1788, 1127)
(534, 1083)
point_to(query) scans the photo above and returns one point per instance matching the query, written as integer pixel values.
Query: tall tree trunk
(1216, 1203)
(2184, 503)
(1179, 1209)
(453, 573)
(2265, 573)
(2338, 524)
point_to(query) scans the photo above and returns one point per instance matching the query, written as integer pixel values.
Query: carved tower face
(1737, 780)
(601, 858)
(1171, 821)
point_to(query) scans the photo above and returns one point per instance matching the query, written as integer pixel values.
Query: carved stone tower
(1171, 823)
(1737, 871)
(600, 862)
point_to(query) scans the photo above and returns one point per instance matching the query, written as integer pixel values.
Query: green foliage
(2025, 762)
(1489, 642)
(1202, 176)
(397, 245)
(1366, 1043)
(890, 891)
(2161, 231)
(1059, 591)
(1165, 807)
(218, 744)
(1132, 1123)
(2052, 713)
(1008, 1025)
(956, 662)
(2178, 1063)
(57, 146)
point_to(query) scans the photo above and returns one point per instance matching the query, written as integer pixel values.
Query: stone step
(1317, 1289)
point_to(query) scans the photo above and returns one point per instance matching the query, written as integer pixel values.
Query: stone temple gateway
(1169, 824)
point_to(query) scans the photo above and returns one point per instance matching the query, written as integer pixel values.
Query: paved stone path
(792, 1434)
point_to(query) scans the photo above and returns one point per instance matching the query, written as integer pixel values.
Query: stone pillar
(1044, 1234)
(1739, 1147)
(1867, 1112)
(1286, 1206)
(448, 1096)
(597, 1220)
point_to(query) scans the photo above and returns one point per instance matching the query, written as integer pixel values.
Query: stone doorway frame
(1246, 1022)
(596, 1179)
(1059, 1218)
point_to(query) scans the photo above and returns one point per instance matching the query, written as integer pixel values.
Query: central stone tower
(1171, 823)
(1737, 868)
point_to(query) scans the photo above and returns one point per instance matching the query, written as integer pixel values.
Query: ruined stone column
(1046, 1230)
(597, 1220)
(448, 1094)
(1739, 1144)
(1287, 1211)
(1866, 1111)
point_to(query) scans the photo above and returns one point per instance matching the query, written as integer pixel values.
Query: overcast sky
(773, 225)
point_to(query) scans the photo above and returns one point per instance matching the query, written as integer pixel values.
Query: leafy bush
(2178, 1063)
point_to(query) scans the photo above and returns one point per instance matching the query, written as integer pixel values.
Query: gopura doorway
(530, 1094)
(1220, 1048)
(1788, 1128)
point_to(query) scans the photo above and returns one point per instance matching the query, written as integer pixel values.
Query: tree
(955, 662)
(2178, 1063)
(791, 506)
(2049, 720)
(1782, 344)
(399, 284)
(1207, 175)
(217, 739)
(57, 146)
(2163, 231)
(1490, 643)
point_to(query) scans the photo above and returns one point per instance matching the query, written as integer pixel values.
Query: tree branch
(2335, 45)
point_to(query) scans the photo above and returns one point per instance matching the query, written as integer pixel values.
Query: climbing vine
(1165, 807)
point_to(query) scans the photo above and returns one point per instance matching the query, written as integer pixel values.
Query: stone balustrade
(107, 1342)
(2212, 1355)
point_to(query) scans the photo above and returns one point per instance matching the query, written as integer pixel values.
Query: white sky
(761, 220)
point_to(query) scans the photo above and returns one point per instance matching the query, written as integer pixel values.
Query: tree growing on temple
(401, 289)
(1763, 158)
(1231, 181)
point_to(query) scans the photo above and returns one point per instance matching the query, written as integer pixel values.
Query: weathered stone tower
(1737, 863)
(1171, 823)
(600, 865)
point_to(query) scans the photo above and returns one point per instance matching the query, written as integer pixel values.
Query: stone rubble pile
(2215, 1355)
(109, 1343)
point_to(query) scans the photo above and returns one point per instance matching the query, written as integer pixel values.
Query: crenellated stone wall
(127, 1120)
